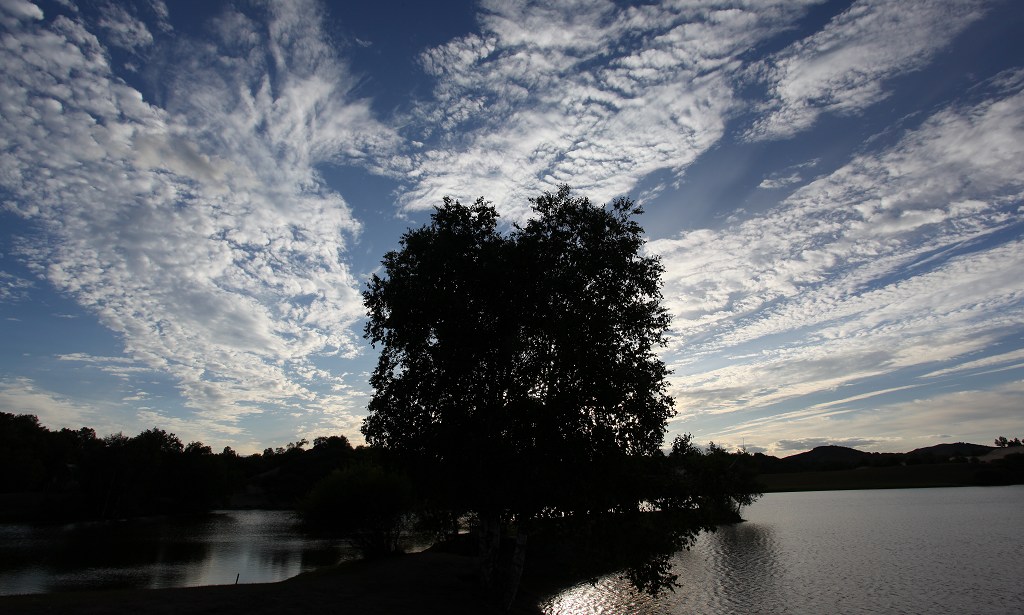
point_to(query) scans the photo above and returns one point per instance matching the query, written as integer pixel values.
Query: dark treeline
(360, 492)
(71, 475)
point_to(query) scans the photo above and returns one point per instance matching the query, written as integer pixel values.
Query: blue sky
(192, 195)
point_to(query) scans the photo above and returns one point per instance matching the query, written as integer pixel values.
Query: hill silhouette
(957, 449)
(828, 455)
(841, 467)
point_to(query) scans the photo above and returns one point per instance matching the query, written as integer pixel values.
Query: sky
(193, 195)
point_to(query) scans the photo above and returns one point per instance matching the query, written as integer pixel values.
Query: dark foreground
(422, 583)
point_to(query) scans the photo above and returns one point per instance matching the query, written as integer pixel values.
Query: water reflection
(252, 546)
(910, 551)
(740, 567)
(719, 574)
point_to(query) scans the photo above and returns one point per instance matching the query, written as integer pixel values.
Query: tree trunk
(490, 548)
(515, 569)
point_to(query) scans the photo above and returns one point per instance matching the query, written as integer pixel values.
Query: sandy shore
(421, 583)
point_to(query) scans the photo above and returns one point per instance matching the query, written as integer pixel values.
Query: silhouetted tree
(1003, 442)
(722, 482)
(518, 370)
(23, 453)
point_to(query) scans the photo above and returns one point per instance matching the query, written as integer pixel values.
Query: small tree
(721, 482)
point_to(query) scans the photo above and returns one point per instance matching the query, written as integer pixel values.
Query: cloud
(897, 426)
(775, 182)
(892, 261)
(809, 443)
(590, 94)
(842, 68)
(124, 368)
(997, 362)
(787, 177)
(199, 231)
(18, 10)
(13, 288)
(55, 411)
(123, 30)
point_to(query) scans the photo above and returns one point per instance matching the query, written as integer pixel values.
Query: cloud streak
(842, 68)
(891, 262)
(584, 93)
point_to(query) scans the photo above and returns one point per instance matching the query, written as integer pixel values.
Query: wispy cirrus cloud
(124, 368)
(199, 230)
(809, 443)
(591, 94)
(997, 362)
(892, 426)
(842, 68)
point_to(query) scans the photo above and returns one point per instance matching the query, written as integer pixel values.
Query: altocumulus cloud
(892, 262)
(199, 230)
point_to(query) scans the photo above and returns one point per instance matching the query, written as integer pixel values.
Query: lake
(879, 551)
(894, 551)
(254, 546)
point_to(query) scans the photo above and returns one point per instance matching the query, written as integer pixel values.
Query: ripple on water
(899, 551)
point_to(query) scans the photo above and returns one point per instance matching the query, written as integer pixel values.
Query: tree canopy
(516, 361)
(518, 372)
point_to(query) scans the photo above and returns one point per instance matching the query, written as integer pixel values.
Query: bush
(364, 502)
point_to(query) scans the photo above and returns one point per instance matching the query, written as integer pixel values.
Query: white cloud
(55, 411)
(200, 232)
(13, 288)
(122, 367)
(1001, 361)
(583, 93)
(804, 444)
(17, 10)
(898, 426)
(783, 181)
(890, 262)
(842, 68)
(123, 29)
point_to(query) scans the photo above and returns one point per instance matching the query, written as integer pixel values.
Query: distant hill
(821, 455)
(835, 458)
(841, 467)
(958, 449)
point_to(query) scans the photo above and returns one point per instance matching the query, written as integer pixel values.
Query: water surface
(252, 546)
(882, 551)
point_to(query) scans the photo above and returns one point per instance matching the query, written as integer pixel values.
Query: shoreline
(893, 477)
(425, 583)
